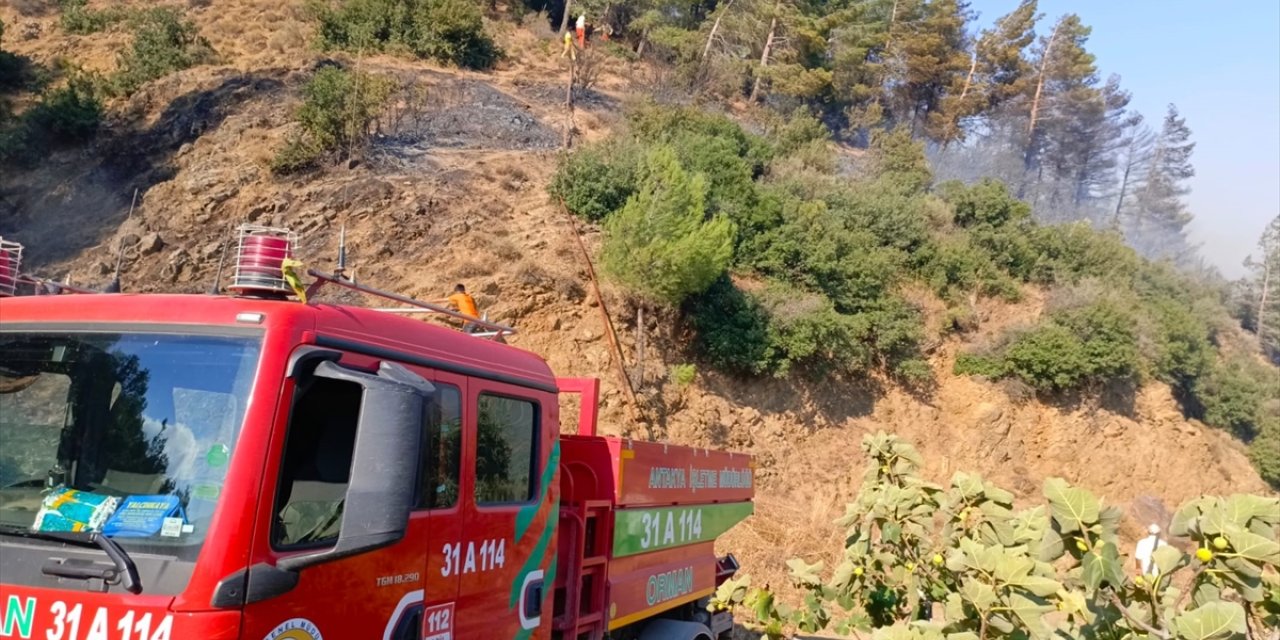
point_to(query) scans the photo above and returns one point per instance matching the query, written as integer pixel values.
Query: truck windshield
(129, 434)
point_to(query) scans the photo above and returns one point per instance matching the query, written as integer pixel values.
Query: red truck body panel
(447, 566)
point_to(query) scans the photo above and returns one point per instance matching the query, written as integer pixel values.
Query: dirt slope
(455, 192)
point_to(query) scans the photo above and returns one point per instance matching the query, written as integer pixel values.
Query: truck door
(385, 594)
(507, 551)
(442, 489)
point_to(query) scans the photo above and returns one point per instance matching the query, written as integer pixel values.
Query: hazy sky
(1220, 63)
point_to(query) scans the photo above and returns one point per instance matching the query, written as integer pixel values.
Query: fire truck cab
(178, 467)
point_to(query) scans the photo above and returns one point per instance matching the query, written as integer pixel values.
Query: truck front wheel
(675, 630)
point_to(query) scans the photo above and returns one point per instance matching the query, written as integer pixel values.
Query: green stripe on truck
(644, 530)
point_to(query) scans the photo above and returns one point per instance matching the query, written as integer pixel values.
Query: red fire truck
(250, 466)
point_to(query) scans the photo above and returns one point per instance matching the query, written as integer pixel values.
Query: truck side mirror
(384, 466)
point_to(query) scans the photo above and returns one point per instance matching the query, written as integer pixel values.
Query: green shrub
(1067, 253)
(14, 146)
(661, 244)
(662, 123)
(818, 250)
(619, 51)
(1232, 394)
(1180, 338)
(730, 158)
(596, 180)
(807, 333)
(960, 319)
(731, 190)
(797, 133)
(1011, 248)
(298, 154)
(163, 42)
(1110, 338)
(898, 220)
(1050, 358)
(956, 266)
(977, 364)
(914, 373)
(12, 70)
(731, 329)
(68, 114)
(683, 375)
(64, 115)
(988, 202)
(79, 19)
(1264, 451)
(450, 31)
(337, 108)
(453, 31)
(900, 161)
(852, 243)
(1087, 346)
(782, 329)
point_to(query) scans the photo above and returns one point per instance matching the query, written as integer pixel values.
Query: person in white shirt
(1143, 555)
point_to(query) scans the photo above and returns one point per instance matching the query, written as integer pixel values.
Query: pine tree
(770, 42)
(934, 50)
(927, 58)
(997, 70)
(1065, 77)
(660, 244)
(668, 22)
(1082, 142)
(1136, 140)
(1002, 66)
(859, 36)
(1157, 228)
(761, 42)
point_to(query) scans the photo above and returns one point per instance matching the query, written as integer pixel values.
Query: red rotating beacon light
(10, 263)
(259, 259)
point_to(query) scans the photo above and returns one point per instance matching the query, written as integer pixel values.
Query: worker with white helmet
(1144, 554)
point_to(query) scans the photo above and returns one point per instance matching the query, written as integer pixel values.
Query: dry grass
(505, 251)
(531, 274)
(469, 269)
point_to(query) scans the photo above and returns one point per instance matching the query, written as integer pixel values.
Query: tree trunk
(953, 127)
(893, 18)
(644, 37)
(715, 27)
(764, 55)
(1081, 190)
(564, 20)
(1035, 101)
(968, 80)
(568, 105)
(636, 411)
(1268, 265)
(640, 344)
(1124, 187)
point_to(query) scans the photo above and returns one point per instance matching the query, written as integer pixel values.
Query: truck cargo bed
(639, 522)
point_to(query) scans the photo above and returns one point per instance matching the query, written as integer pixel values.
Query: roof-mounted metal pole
(53, 286)
(495, 330)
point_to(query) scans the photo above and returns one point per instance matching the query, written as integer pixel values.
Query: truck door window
(317, 462)
(443, 445)
(505, 451)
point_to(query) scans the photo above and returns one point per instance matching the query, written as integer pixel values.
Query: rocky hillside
(454, 190)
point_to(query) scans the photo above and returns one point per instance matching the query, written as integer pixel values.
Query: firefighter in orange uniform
(463, 303)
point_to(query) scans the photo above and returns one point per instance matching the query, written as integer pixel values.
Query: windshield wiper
(125, 570)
